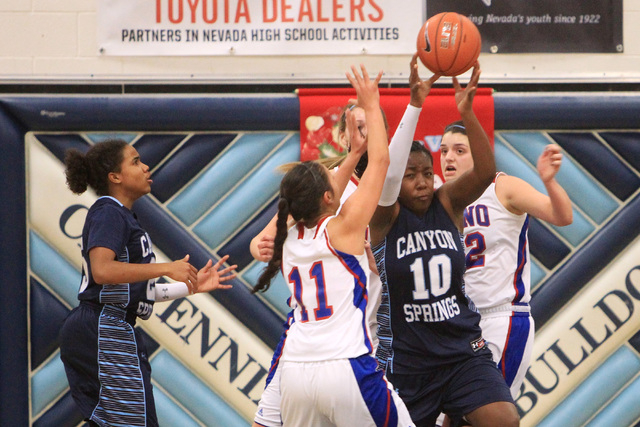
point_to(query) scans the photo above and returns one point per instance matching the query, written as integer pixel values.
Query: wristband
(171, 291)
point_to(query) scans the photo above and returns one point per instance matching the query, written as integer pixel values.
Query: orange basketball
(449, 44)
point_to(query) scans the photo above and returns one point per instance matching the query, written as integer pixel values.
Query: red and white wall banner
(320, 111)
(258, 27)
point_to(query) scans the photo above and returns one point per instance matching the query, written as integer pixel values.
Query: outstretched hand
(464, 97)
(549, 162)
(419, 88)
(210, 279)
(182, 271)
(366, 89)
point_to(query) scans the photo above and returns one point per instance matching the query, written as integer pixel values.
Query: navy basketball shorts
(455, 389)
(107, 367)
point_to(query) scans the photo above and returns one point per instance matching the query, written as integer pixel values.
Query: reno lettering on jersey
(424, 241)
(477, 215)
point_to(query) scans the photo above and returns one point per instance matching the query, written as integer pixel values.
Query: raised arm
(399, 149)
(348, 230)
(456, 195)
(357, 147)
(520, 197)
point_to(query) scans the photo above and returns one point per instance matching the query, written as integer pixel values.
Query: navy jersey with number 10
(424, 318)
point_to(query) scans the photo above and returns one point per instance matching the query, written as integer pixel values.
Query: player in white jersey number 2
(497, 279)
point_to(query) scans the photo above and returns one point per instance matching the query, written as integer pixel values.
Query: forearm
(484, 165)
(171, 291)
(561, 208)
(399, 150)
(113, 272)
(377, 143)
(345, 171)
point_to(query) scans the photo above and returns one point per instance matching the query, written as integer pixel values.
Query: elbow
(99, 276)
(567, 219)
(563, 220)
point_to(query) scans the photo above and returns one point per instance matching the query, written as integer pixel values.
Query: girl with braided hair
(327, 373)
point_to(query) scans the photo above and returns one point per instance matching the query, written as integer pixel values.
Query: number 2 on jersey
(475, 243)
(316, 272)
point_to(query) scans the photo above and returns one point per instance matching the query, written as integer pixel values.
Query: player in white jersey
(497, 279)
(268, 413)
(328, 376)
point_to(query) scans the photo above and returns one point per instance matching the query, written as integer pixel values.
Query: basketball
(449, 44)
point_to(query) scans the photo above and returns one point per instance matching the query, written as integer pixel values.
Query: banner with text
(541, 26)
(257, 27)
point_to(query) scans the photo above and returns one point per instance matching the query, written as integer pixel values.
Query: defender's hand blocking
(366, 89)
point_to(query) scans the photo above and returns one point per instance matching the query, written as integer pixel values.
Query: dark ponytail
(269, 272)
(301, 192)
(92, 169)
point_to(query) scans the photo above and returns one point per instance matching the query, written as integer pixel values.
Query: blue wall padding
(586, 263)
(63, 413)
(514, 111)
(546, 247)
(238, 247)
(601, 163)
(153, 148)
(598, 206)
(54, 270)
(627, 144)
(58, 144)
(96, 137)
(508, 162)
(537, 274)
(49, 382)
(248, 198)
(216, 181)
(14, 370)
(278, 292)
(176, 242)
(47, 315)
(624, 410)
(155, 114)
(187, 162)
(170, 413)
(192, 393)
(596, 390)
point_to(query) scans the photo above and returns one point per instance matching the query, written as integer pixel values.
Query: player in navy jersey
(498, 276)
(431, 345)
(104, 356)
